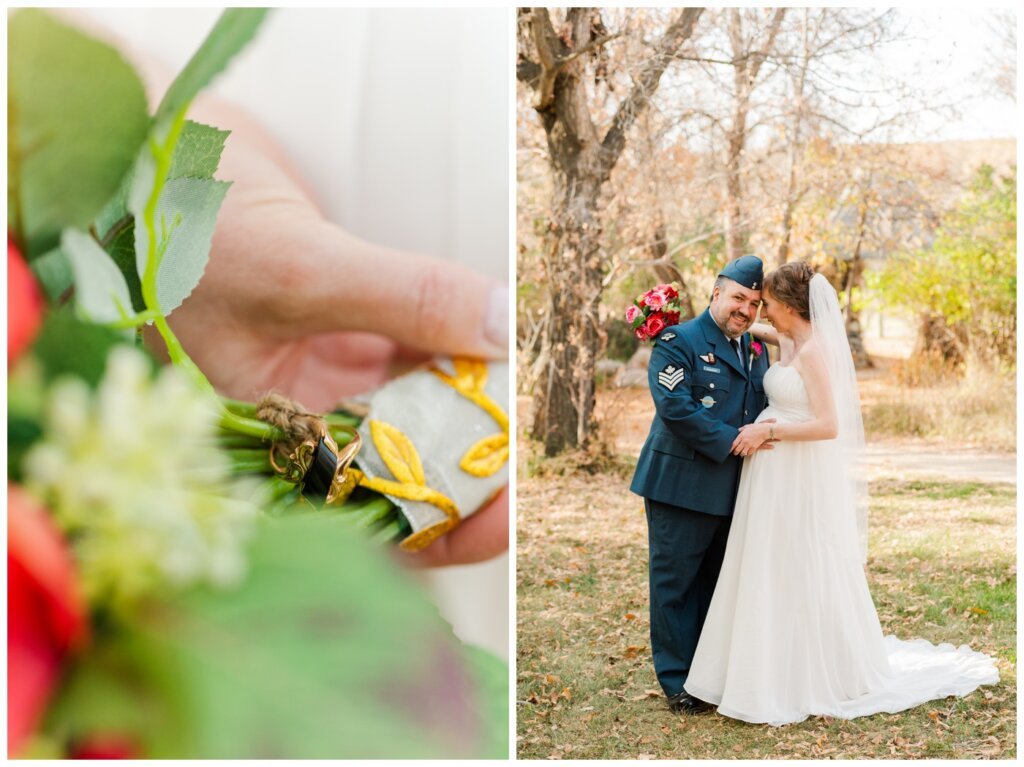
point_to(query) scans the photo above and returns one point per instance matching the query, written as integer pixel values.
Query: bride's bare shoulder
(809, 357)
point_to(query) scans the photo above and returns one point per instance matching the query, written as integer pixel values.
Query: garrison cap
(748, 271)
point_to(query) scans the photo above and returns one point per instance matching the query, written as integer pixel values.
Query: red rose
(655, 324)
(105, 746)
(641, 333)
(45, 613)
(24, 304)
(671, 291)
(671, 318)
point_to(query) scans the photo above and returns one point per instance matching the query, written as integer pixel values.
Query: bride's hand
(753, 436)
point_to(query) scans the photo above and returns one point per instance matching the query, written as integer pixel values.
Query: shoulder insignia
(671, 377)
(667, 337)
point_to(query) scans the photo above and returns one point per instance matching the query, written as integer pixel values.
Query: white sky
(955, 49)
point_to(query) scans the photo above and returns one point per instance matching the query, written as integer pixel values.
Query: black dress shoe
(684, 703)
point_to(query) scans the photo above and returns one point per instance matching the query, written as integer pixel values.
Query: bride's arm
(824, 425)
(766, 333)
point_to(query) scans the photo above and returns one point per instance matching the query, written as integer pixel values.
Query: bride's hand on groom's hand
(752, 437)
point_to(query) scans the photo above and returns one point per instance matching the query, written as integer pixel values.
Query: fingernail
(496, 322)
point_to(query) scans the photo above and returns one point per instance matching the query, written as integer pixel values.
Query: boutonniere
(756, 349)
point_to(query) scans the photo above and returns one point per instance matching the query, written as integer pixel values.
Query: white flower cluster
(133, 475)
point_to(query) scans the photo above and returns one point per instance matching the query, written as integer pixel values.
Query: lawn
(942, 566)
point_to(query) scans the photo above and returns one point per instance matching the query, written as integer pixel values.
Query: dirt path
(629, 412)
(916, 460)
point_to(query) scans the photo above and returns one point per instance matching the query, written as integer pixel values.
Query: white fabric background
(398, 120)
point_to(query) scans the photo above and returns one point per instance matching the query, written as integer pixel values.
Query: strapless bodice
(787, 396)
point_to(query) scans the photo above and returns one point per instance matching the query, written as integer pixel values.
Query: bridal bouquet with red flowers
(191, 576)
(654, 311)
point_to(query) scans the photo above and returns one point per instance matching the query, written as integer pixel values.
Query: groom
(706, 382)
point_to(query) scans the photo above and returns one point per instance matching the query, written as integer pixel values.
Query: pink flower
(632, 313)
(656, 298)
(654, 325)
(756, 346)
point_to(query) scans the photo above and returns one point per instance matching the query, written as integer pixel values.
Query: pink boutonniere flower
(756, 349)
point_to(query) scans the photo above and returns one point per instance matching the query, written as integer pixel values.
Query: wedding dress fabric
(792, 631)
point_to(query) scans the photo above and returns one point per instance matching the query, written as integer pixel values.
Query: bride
(792, 631)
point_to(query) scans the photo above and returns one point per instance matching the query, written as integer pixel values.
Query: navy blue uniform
(688, 478)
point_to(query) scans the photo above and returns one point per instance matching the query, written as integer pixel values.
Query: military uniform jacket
(702, 395)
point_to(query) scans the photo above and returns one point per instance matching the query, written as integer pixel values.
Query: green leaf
(76, 118)
(196, 155)
(186, 216)
(101, 293)
(327, 651)
(67, 346)
(122, 251)
(53, 270)
(198, 151)
(232, 32)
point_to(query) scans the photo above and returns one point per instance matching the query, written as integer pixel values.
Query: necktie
(739, 352)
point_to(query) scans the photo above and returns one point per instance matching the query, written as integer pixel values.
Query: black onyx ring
(320, 468)
(323, 465)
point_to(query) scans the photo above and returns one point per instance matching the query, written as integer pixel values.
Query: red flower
(24, 304)
(106, 746)
(671, 318)
(655, 324)
(45, 613)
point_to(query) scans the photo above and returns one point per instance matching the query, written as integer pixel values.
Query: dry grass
(942, 567)
(976, 410)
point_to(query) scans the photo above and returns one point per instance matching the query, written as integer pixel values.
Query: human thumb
(422, 302)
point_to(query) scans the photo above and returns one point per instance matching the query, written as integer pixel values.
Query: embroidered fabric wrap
(442, 426)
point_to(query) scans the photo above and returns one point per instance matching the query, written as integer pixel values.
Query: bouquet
(191, 576)
(654, 311)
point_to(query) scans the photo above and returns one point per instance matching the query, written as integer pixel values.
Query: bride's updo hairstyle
(790, 285)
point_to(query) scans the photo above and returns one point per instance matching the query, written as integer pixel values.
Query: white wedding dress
(792, 631)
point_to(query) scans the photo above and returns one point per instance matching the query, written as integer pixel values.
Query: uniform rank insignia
(707, 401)
(708, 358)
(671, 377)
(667, 337)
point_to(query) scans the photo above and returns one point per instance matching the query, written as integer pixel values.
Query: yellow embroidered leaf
(397, 452)
(486, 457)
(469, 372)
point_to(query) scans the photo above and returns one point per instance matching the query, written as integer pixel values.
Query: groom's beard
(737, 324)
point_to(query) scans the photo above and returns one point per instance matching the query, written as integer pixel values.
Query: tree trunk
(581, 162)
(748, 54)
(564, 413)
(855, 279)
(664, 270)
